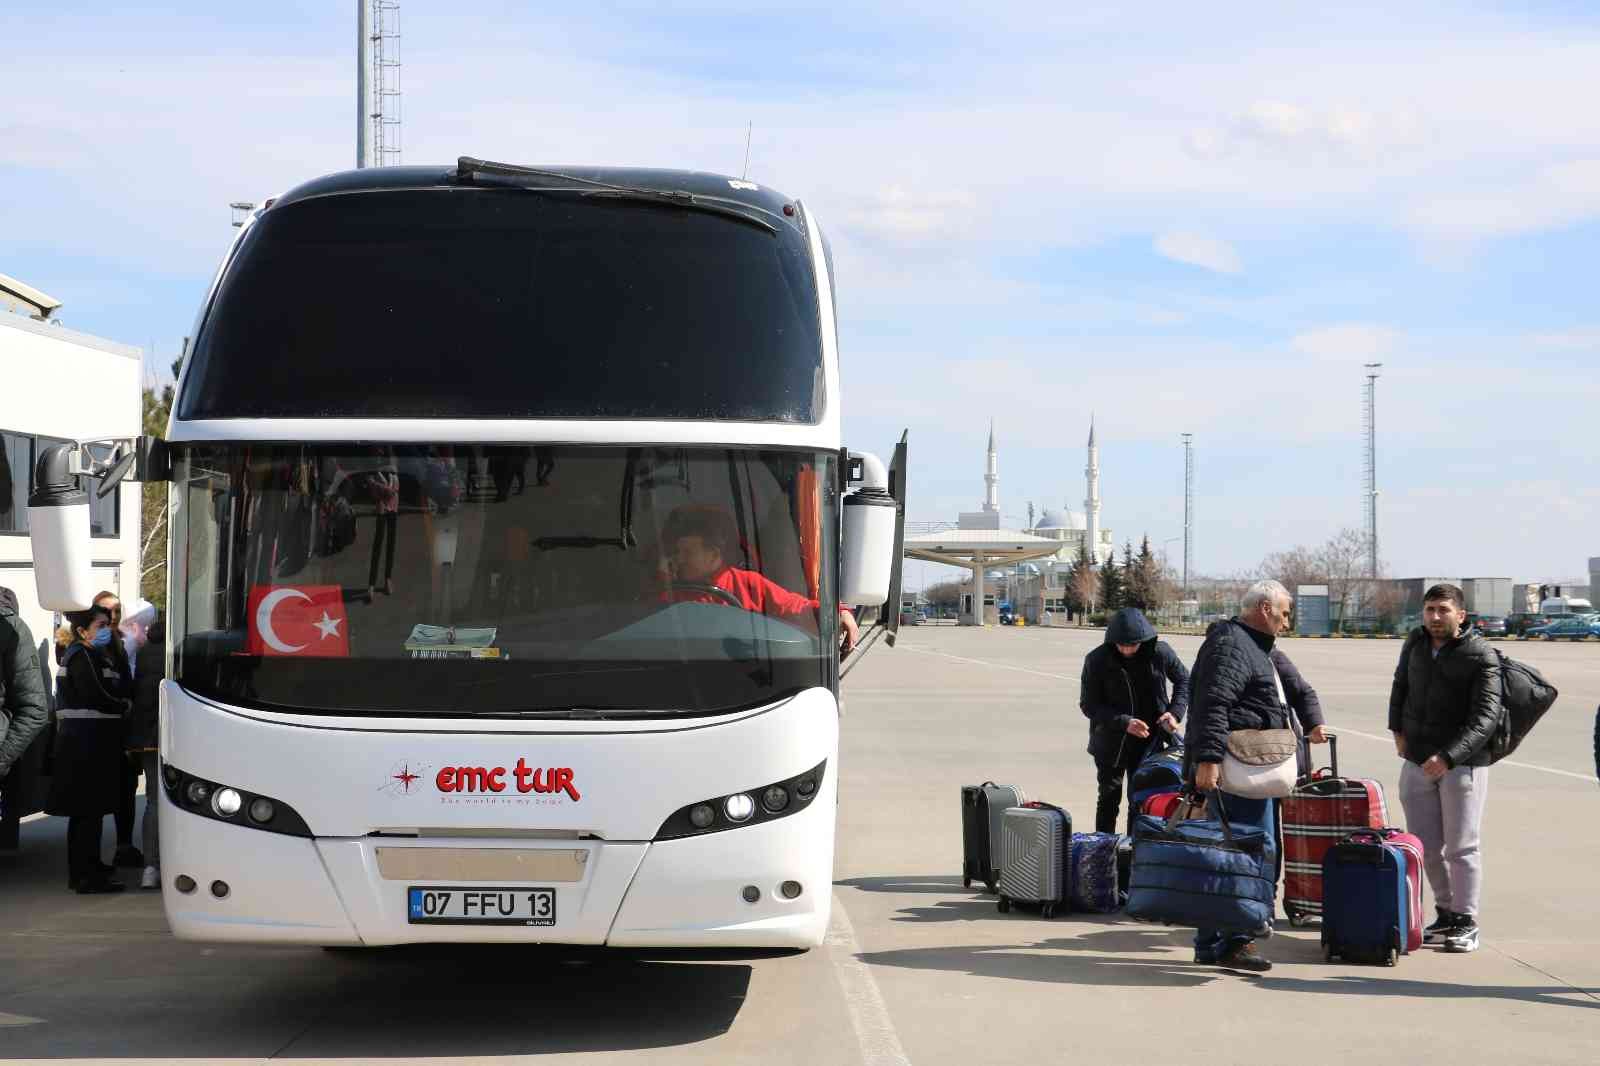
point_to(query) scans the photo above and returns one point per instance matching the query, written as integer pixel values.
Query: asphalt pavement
(916, 968)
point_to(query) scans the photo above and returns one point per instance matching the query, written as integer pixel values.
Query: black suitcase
(981, 809)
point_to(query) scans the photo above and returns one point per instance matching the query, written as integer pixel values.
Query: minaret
(991, 478)
(1091, 503)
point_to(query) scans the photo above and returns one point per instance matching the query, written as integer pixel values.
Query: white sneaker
(151, 878)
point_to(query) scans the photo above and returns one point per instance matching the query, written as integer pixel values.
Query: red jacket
(754, 592)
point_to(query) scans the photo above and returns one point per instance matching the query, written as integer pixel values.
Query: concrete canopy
(974, 550)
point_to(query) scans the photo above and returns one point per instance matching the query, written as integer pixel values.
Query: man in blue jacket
(1123, 693)
(1237, 685)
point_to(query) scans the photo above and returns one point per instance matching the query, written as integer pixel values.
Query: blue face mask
(102, 639)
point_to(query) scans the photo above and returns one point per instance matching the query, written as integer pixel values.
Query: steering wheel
(701, 586)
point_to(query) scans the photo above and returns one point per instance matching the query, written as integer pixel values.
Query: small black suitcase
(981, 809)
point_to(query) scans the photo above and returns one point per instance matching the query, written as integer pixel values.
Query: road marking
(1341, 731)
(997, 666)
(1337, 729)
(875, 1033)
(11, 1021)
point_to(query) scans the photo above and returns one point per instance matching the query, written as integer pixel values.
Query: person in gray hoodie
(1123, 692)
(24, 708)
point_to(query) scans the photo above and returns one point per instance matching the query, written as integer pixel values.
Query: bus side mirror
(58, 526)
(867, 551)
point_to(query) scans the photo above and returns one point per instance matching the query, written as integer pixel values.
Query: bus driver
(696, 539)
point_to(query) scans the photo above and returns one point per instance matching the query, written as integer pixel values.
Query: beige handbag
(1260, 763)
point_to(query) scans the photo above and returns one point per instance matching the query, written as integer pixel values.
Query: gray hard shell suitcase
(981, 808)
(1035, 849)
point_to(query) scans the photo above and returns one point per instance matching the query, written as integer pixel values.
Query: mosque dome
(1052, 519)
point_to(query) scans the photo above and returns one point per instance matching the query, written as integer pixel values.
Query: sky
(1170, 217)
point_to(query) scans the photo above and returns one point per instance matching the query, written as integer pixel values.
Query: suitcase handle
(1333, 755)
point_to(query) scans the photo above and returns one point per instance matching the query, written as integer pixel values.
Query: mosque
(1025, 568)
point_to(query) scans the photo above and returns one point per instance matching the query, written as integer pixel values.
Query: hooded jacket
(24, 710)
(1446, 704)
(1115, 689)
(1233, 688)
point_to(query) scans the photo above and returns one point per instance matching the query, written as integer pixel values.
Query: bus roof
(699, 183)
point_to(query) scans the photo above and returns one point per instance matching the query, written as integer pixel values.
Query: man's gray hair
(1263, 592)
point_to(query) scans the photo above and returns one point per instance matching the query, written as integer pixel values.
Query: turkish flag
(303, 620)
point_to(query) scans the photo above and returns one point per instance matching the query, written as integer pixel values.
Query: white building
(60, 384)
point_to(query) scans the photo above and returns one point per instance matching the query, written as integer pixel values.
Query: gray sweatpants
(1446, 816)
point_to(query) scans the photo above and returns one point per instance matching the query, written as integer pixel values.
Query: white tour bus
(510, 529)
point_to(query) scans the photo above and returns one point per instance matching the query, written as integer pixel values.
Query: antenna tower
(1369, 423)
(385, 51)
(1188, 507)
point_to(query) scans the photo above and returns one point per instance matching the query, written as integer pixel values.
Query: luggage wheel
(966, 882)
(990, 886)
(1394, 956)
(1004, 905)
(1298, 918)
(1327, 953)
(1048, 910)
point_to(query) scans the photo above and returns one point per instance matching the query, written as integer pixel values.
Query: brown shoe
(1245, 957)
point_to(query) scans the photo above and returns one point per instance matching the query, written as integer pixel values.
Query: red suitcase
(1412, 848)
(1323, 809)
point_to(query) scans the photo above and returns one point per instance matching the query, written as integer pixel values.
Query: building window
(16, 455)
(19, 458)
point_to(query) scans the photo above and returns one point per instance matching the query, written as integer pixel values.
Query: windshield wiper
(484, 172)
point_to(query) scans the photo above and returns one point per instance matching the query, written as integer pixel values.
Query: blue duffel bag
(1161, 770)
(1206, 874)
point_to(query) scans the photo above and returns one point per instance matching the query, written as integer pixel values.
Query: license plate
(480, 906)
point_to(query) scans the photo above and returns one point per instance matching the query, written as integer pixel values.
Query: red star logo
(405, 777)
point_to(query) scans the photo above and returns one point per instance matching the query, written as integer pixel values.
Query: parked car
(1489, 625)
(1565, 629)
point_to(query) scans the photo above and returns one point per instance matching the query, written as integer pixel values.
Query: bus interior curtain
(808, 502)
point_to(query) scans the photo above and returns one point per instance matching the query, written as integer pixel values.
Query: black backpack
(1524, 696)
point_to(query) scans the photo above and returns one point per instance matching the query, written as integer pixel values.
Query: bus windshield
(503, 580)
(497, 303)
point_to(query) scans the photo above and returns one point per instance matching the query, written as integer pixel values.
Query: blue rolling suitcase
(1366, 911)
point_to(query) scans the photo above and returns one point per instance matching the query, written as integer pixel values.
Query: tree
(1111, 585)
(1344, 561)
(1082, 585)
(153, 508)
(943, 594)
(1144, 578)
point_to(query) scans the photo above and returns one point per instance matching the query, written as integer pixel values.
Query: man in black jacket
(1123, 693)
(1444, 707)
(24, 710)
(1236, 684)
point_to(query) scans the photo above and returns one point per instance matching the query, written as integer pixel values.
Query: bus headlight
(235, 806)
(226, 802)
(777, 800)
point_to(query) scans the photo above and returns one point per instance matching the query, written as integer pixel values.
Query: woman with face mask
(91, 701)
(121, 654)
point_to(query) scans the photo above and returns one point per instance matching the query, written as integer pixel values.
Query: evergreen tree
(1111, 590)
(1152, 587)
(1080, 583)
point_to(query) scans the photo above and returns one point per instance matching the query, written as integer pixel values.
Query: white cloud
(1199, 250)
(1276, 129)
(900, 214)
(1558, 195)
(1350, 341)
(1572, 340)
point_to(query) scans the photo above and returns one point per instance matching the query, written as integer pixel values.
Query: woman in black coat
(91, 701)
